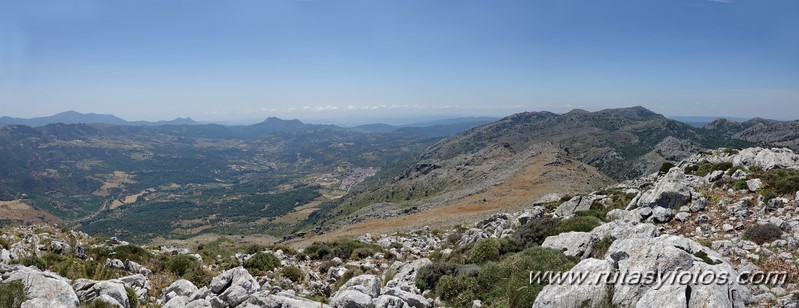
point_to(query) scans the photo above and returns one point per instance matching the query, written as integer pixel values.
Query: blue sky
(329, 59)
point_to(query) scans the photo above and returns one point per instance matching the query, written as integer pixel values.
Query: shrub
(361, 253)
(342, 249)
(292, 272)
(485, 250)
(254, 248)
(507, 283)
(591, 213)
(180, 265)
(665, 167)
(740, 185)
(133, 253)
(199, 277)
(453, 238)
(533, 232)
(762, 233)
(600, 248)
(457, 291)
(781, 181)
(325, 266)
(12, 294)
(578, 224)
(429, 275)
(508, 245)
(132, 297)
(317, 251)
(262, 262)
(286, 249)
(734, 169)
(34, 261)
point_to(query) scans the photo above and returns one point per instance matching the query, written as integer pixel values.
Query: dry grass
(515, 193)
(19, 210)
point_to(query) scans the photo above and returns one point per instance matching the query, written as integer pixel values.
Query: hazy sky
(226, 60)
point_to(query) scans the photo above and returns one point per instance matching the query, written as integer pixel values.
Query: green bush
(534, 232)
(591, 213)
(507, 284)
(262, 262)
(199, 277)
(182, 264)
(12, 294)
(361, 253)
(292, 272)
(133, 253)
(703, 168)
(289, 251)
(132, 298)
(508, 245)
(781, 181)
(457, 291)
(665, 167)
(485, 250)
(342, 249)
(429, 275)
(740, 185)
(578, 224)
(734, 169)
(762, 233)
(254, 248)
(34, 261)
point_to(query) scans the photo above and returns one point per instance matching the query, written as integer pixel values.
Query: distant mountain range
(73, 117)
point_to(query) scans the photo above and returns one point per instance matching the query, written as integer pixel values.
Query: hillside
(727, 216)
(576, 152)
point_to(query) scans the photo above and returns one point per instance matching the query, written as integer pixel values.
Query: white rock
(575, 244)
(45, 289)
(661, 214)
(754, 184)
(576, 295)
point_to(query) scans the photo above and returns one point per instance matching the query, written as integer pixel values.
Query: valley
(303, 182)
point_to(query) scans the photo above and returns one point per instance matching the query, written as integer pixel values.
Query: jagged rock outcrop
(672, 191)
(667, 255)
(573, 244)
(575, 204)
(565, 295)
(45, 289)
(234, 286)
(110, 291)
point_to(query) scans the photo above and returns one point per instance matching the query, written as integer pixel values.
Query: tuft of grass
(599, 249)
(12, 294)
(575, 224)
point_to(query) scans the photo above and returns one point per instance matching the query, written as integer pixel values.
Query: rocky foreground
(725, 211)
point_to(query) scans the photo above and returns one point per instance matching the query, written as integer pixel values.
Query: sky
(328, 60)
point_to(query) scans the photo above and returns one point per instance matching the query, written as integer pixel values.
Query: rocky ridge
(688, 218)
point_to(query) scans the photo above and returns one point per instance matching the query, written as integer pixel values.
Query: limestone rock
(576, 295)
(575, 244)
(45, 289)
(112, 291)
(575, 204)
(672, 191)
(234, 286)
